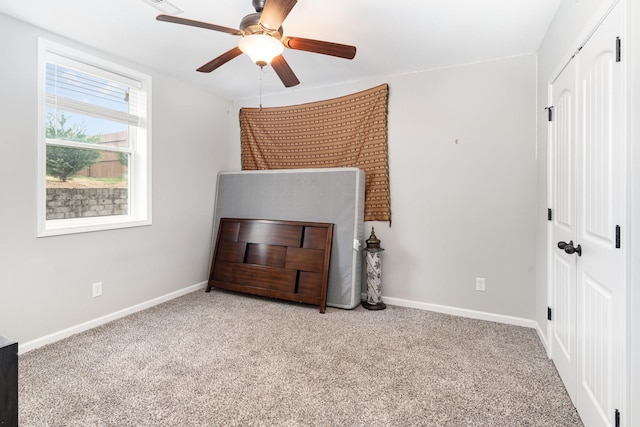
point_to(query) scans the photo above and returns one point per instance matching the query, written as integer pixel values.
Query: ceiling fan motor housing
(250, 24)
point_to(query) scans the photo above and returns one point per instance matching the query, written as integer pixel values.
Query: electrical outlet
(480, 284)
(97, 289)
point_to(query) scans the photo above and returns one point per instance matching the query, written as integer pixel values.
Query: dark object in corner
(287, 260)
(8, 383)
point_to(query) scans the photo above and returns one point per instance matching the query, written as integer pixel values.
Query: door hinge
(549, 113)
(549, 317)
(617, 418)
(549, 214)
(618, 50)
(617, 237)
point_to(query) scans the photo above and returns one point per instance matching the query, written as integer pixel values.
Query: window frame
(139, 182)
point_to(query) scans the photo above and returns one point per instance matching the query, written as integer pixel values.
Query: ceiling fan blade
(192, 23)
(220, 60)
(275, 12)
(282, 69)
(317, 46)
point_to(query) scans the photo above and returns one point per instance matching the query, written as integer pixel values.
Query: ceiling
(392, 37)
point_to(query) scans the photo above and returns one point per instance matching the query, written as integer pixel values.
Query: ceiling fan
(263, 40)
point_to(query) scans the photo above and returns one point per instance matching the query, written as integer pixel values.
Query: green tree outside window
(64, 162)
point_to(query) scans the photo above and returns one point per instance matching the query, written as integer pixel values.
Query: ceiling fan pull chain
(260, 87)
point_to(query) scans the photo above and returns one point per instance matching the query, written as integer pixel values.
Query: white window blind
(71, 86)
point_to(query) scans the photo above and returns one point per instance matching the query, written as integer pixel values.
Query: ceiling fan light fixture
(261, 48)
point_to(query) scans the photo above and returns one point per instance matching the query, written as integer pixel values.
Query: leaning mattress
(334, 195)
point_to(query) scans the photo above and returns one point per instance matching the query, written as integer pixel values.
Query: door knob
(570, 249)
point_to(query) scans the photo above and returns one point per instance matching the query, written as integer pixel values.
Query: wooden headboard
(281, 259)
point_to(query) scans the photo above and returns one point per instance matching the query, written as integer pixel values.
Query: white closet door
(587, 196)
(563, 226)
(600, 209)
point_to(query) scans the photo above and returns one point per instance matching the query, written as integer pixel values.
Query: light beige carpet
(223, 359)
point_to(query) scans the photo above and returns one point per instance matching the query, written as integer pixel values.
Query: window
(94, 148)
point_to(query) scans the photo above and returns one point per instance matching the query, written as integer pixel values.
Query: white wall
(45, 283)
(460, 210)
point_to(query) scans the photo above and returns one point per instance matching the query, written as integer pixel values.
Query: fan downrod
(258, 5)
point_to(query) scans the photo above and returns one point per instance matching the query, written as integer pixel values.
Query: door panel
(564, 295)
(596, 355)
(600, 207)
(563, 149)
(597, 82)
(562, 188)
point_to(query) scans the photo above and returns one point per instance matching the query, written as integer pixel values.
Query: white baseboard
(543, 339)
(455, 311)
(56, 336)
(463, 312)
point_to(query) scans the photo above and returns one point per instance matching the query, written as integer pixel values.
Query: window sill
(59, 227)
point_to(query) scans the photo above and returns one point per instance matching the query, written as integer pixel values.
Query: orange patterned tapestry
(350, 131)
